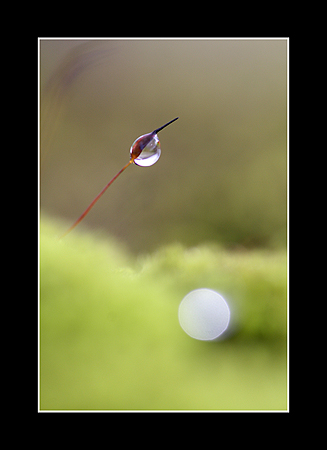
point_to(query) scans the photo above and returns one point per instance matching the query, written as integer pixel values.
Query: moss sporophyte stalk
(145, 151)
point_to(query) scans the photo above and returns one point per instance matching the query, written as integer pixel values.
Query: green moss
(110, 337)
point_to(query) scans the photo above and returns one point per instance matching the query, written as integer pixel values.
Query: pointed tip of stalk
(164, 126)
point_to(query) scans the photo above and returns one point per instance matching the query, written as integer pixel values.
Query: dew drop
(150, 153)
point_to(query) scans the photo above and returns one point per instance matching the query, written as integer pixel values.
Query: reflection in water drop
(151, 151)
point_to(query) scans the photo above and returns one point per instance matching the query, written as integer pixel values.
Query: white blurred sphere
(203, 314)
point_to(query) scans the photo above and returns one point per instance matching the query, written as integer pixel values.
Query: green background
(110, 337)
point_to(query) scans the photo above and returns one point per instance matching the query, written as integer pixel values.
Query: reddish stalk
(136, 150)
(81, 217)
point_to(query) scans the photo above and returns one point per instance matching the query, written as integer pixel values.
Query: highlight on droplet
(204, 314)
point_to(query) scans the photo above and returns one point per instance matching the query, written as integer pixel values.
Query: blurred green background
(210, 213)
(110, 337)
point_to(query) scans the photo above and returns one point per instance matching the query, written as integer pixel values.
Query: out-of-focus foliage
(110, 337)
(222, 174)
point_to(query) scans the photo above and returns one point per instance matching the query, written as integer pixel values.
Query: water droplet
(151, 151)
